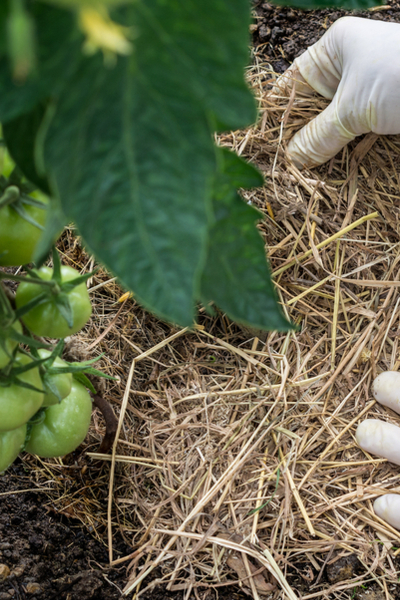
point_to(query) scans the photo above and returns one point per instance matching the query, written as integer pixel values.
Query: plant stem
(24, 279)
(10, 195)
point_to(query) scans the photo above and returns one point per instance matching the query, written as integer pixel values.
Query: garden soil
(45, 555)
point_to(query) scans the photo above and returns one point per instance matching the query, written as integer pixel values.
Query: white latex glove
(356, 63)
(383, 439)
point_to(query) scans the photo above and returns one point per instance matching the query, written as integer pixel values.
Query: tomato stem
(23, 278)
(6, 311)
(10, 195)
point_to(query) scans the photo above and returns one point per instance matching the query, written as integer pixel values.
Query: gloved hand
(383, 439)
(356, 63)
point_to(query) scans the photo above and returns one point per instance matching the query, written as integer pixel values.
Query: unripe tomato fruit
(18, 237)
(11, 444)
(46, 319)
(10, 345)
(64, 427)
(19, 404)
(63, 381)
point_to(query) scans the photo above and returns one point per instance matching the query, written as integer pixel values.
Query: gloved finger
(380, 438)
(388, 508)
(290, 78)
(321, 65)
(386, 390)
(319, 140)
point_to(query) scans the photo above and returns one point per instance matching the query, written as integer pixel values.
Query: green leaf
(81, 367)
(26, 385)
(208, 41)
(56, 266)
(234, 172)
(69, 285)
(27, 340)
(137, 186)
(236, 275)
(84, 381)
(64, 306)
(33, 364)
(3, 27)
(50, 386)
(130, 148)
(21, 40)
(55, 223)
(96, 373)
(40, 299)
(20, 136)
(58, 46)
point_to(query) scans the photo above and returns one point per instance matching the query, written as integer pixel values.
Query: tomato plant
(64, 427)
(9, 346)
(11, 444)
(19, 235)
(56, 386)
(48, 318)
(157, 205)
(18, 403)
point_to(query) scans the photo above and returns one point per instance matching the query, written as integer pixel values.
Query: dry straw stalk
(236, 461)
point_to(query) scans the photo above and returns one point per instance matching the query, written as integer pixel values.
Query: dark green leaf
(3, 27)
(27, 340)
(69, 285)
(84, 381)
(135, 183)
(27, 367)
(56, 266)
(21, 40)
(64, 306)
(55, 223)
(236, 173)
(26, 385)
(97, 373)
(20, 312)
(79, 368)
(206, 44)
(56, 351)
(50, 386)
(58, 47)
(20, 136)
(236, 275)
(131, 152)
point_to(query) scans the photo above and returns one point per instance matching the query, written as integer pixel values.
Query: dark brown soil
(51, 557)
(47, 555)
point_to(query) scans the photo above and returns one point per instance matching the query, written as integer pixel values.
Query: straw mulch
(237, 460)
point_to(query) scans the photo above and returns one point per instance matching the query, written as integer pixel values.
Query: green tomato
(64, 427)
(18, 237)
(10, 345)
(46, 319)
(18, 404)
(11, 444)
(62, 382)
